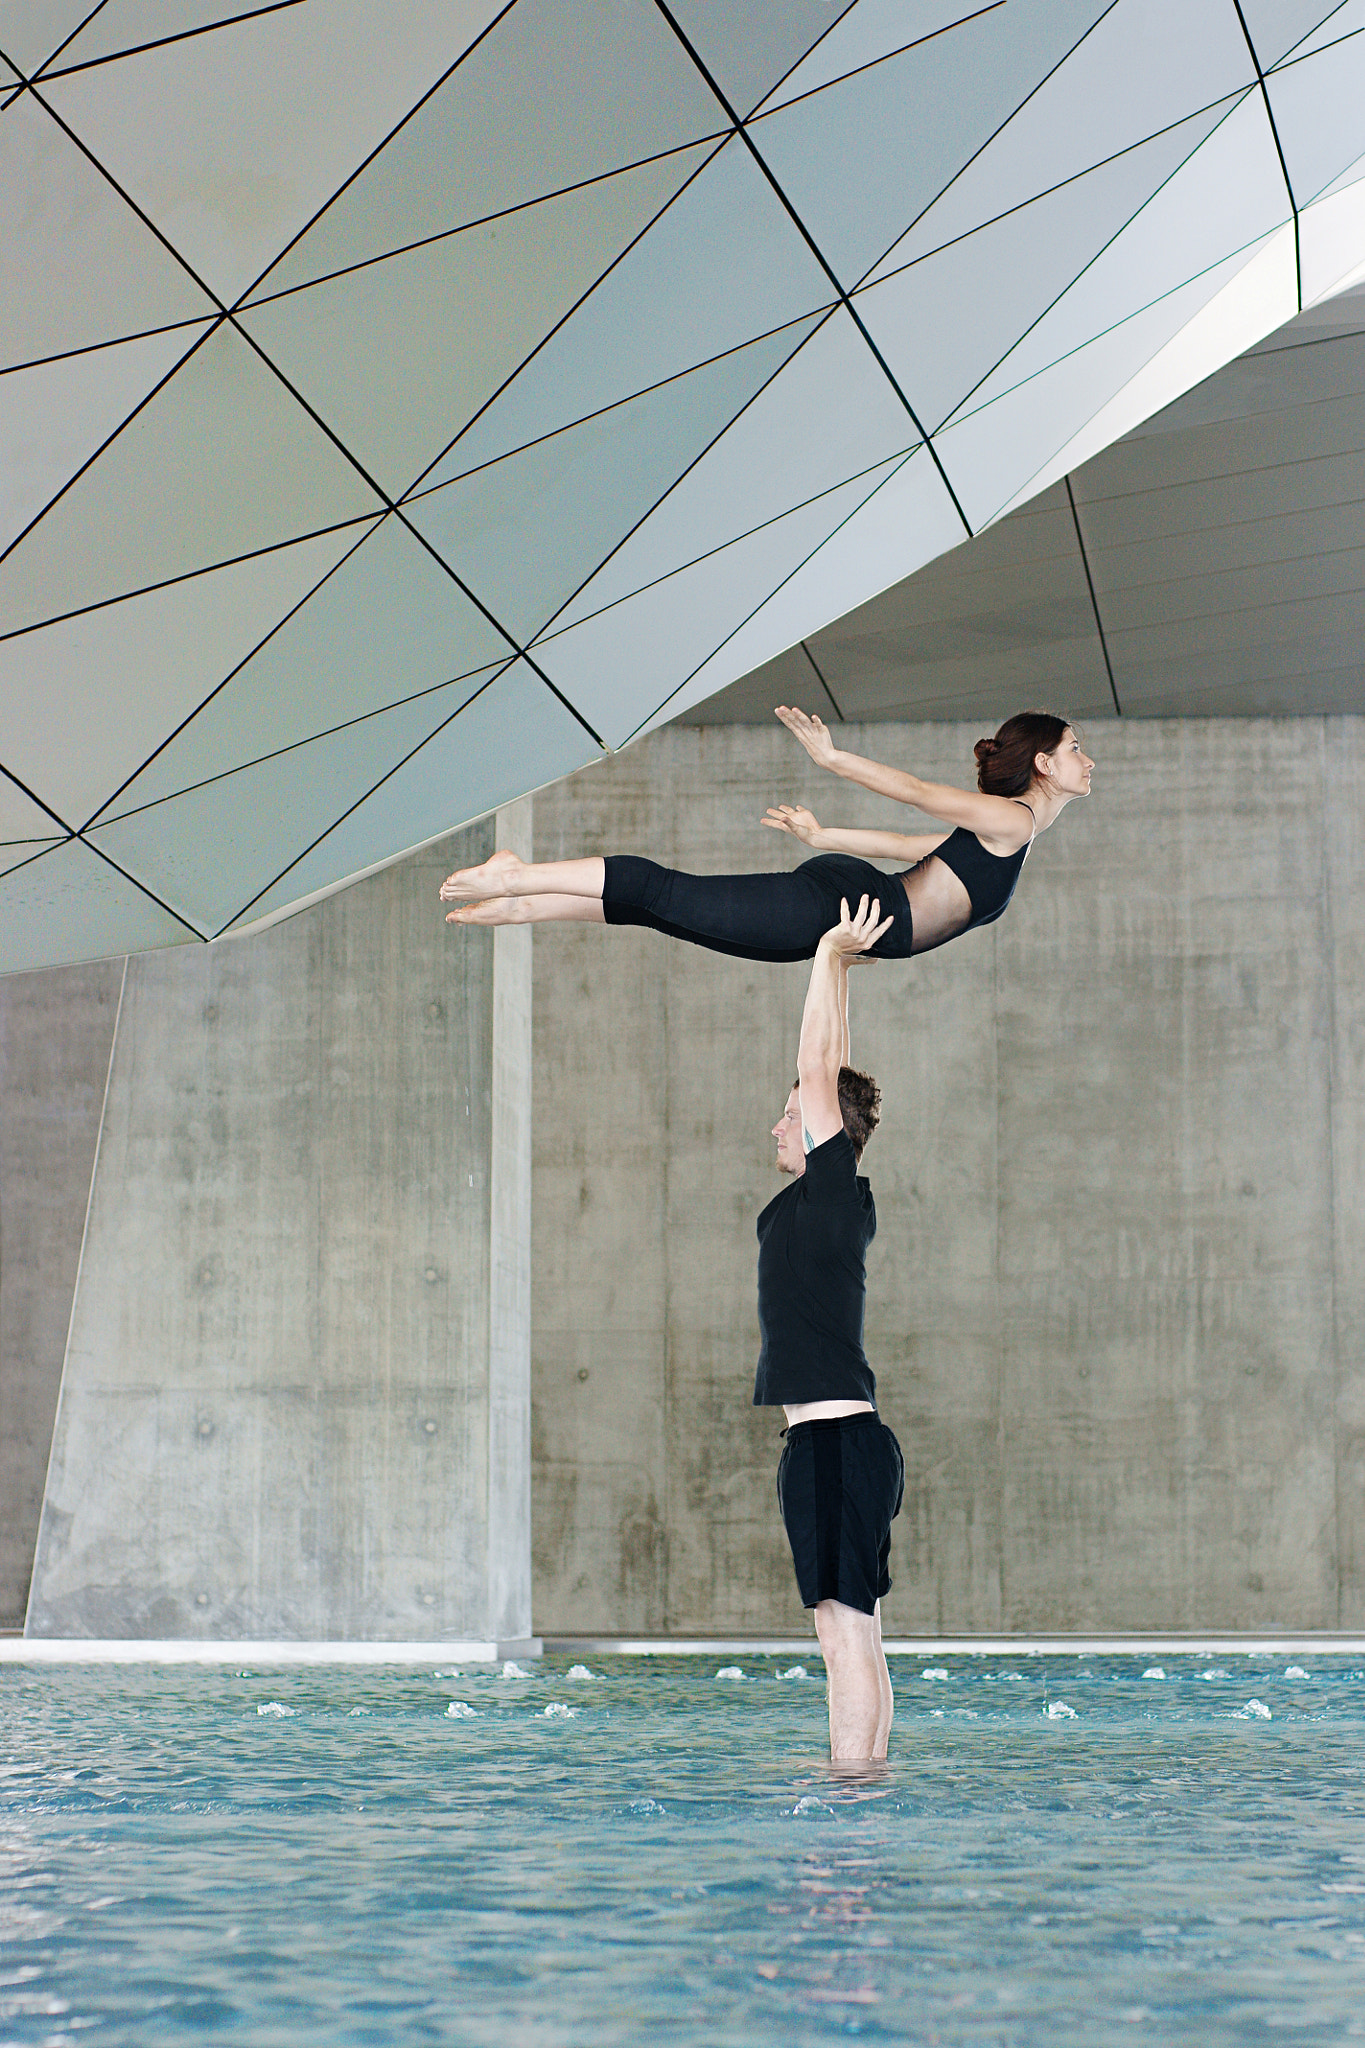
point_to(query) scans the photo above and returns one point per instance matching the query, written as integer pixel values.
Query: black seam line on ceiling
(815, 250)
(1260, 567)
(1132, 314)
(1279, 151)
(1229, 100)
(994, 136)
(74, 838)
(957, 410)
(543, 631)
(1223, 476)
(273, 547)
(566, 316)
(1318, 26)
(824, 681)
(77, 474)
(484, 220)
(392, 506)
(585, 419)
(183, 35)
(275, 880)
(381, 145)
(1288, 63)
(898, 456)
(780, 585)
(70, 37)
(160, 903)
(34, 798)
(1094, 601)
(48, 846)
(292, 746)
(797, 62)
(91, 348)
(235, 670)
(763, 112)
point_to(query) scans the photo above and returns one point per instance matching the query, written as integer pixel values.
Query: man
(841, 1479)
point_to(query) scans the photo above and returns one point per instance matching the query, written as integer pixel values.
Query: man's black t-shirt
(812, 1283)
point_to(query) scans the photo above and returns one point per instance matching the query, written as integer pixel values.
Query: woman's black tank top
(938, 910)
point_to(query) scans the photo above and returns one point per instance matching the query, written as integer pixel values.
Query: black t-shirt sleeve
(831, 1174)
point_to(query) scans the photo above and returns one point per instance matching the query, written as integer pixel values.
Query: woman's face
(1068, 767)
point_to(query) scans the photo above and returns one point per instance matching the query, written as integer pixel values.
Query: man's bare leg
(529, 910)
(503, 874)
(859, 1683)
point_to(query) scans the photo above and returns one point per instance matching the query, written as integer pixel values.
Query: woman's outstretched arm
(998, 821)
(803, 825)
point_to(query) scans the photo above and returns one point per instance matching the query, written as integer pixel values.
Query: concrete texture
(1117, 1301)
(55, 1033)
(295, 1400)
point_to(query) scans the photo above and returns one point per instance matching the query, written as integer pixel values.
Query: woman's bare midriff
(824, 1411)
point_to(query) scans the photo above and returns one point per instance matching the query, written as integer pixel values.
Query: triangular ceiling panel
(222, 462)
(1319, 107)
(123, 28)
(20, 817)
(1281, 29)
(70, 906)
(155, 658)
(750, 46)
(30, 30)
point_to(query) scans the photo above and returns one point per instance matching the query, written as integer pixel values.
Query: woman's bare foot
(495, 910)
(497, 878)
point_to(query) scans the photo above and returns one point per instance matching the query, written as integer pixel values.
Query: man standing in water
(841, 1478)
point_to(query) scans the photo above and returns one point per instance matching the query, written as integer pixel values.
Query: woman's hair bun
(984, 749)
(1004, 765)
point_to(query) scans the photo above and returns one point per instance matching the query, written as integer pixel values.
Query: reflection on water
(637, 1853)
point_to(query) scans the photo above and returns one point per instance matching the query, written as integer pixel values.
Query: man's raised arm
(824, 1022)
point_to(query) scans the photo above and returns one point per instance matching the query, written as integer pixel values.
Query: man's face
(791, 1150)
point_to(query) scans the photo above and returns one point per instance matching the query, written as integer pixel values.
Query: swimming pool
(1061, 1851)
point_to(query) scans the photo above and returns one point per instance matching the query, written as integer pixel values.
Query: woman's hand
(802, 824)
(812, 733)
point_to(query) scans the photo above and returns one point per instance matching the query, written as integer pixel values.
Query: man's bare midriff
(824, 1411)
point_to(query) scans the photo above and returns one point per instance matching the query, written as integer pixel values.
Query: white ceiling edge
(1332, 243)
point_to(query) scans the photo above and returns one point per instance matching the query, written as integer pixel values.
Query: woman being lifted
(950, 883)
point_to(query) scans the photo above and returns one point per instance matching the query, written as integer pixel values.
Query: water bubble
(1154, 1671)
(793, 1671)
(1216, 1671)
(357, 1711)
(729, 1671)
(511, 1670)
(460, 1710)
(274, 1707)
(579, 1671)
(1295, 1671)
(934, 1671)
(645, 1806)
(1058, 1710)
(1254, 1710)
(555, 1712)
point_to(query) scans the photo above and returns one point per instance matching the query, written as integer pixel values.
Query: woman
(954, 881)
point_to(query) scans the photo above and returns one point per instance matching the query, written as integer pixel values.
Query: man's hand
(812, 733)
(854, 936)
(801, 823)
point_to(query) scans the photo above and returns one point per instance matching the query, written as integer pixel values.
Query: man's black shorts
(840, 1484)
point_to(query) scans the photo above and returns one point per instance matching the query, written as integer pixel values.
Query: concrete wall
(295, 1400)
(55, 1035)
(1117, 1301)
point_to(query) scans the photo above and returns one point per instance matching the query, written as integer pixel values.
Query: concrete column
(296, 1388)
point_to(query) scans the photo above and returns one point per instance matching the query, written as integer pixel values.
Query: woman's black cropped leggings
(775, 917)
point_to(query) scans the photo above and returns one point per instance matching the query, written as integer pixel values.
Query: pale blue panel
(1293, 28)
(387, 624)
(77, 266)
(1320, 116)
(723, 265)
(945, 321)
(994, 450)
(20, 817)
(207, 852)
(30, 30)
(72, 906)
(862, 160)
(513, 738)
(54, 416)
(749, 45)
(1175, 61)
(619, 667)
(554, 94)
(1229, 194)
(525, 532)
(221, 462)
(398, 356)
(830, 415)
(155, 657)
(123, 25)
(232, 142)
(14, 853)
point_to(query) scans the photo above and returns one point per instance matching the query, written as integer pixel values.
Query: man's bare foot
(497, 877)
(496, 910)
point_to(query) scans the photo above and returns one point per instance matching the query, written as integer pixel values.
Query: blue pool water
(656, 1854)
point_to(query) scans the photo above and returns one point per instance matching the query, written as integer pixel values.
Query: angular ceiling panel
(123, 27)
(525, 532)
(244, 148)
(749, 46)
(215, 848)
(70, 906)
(397, 357)
(222, 462)
(387, 624)
(20, 817)
(721, 266)
(17, 853)
(513, 737)
(30, 30)
(1319, 107)
(155, 657)
(1285, 30)
(77, 266)
(554, 95)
